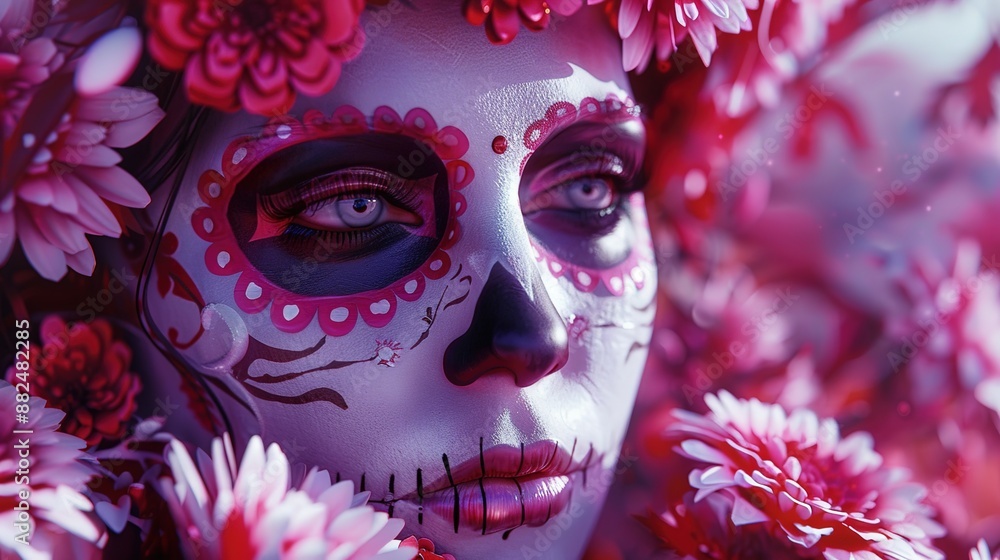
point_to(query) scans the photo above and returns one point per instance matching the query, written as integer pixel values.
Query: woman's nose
(512, 331)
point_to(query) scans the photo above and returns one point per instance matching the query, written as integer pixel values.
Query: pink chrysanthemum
(61, 518)
(254, 511)
(645, 25)
(790, 483)
(255, 54)
(61, 115)
(503, 18)
(84, 371)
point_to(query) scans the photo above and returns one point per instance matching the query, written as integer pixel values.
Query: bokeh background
(826, 226)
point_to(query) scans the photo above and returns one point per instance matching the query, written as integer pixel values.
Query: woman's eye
(589, 193)
(345, 213)
(592, 187)
(351, 212)
(360, 212)
(337, 206)
(577, 203)
(349, 200)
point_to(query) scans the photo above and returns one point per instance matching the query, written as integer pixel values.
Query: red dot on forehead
(499, 144)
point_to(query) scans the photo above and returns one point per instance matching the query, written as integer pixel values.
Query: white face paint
(394, 300)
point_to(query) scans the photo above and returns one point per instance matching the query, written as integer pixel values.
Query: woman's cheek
(271, 337)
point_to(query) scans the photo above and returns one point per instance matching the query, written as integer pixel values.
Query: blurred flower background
(824, 378)
(826, 242)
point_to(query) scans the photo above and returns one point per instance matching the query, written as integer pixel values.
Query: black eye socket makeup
(346, 208)
(575, 189)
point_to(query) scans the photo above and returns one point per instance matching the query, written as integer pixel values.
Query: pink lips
(505, 487)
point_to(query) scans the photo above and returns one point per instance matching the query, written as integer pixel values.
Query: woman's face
(435, 281)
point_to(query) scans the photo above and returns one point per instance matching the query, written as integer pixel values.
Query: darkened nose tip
(511, 332)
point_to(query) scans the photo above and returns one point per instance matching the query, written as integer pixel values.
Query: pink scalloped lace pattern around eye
(338, 315)
(635, 268)
(563, 113)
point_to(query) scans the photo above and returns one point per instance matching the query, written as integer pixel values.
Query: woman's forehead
(429, 42)
(428, 56)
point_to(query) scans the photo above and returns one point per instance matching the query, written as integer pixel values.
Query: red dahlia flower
(945, 330)
(254, 54)
(252, 510)
(84, 371)
(503, 18)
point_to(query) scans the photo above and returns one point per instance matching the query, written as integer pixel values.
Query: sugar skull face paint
(345, 196)
(482, 400)
(577, 207)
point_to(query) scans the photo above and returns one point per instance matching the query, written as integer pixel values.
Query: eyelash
(338, 238)
(345, 183)
(622, 175)
(605, 164)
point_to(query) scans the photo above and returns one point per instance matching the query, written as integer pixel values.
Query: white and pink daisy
(254, 511)
(661, 25)
(62, 113)
(982, 552)
(790, 483)
(61, 519)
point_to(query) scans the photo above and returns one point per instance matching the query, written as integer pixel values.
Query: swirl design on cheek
(637, 266)
(337, 314)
